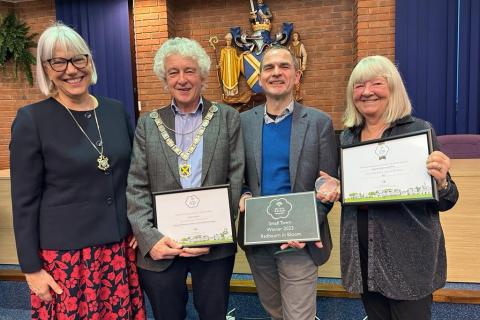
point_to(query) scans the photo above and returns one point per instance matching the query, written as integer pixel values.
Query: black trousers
(377, 306)
(168, 293)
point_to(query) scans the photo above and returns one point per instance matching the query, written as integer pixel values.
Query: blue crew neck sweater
(275, 157)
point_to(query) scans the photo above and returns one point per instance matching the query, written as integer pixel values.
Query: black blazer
(61, 200)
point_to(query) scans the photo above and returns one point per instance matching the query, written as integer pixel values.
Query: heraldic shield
(252, 47)
(251, 70)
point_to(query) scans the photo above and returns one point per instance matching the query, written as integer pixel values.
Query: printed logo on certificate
(388, 170)
(280, 218)
(195, 217)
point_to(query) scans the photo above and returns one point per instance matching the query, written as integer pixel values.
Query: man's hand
(194, 252)
(241, 204)
(299, 245)
(329, 191)
(40, 283)
(293, 244)
(166, 248)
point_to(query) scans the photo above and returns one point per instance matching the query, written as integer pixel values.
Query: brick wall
(336, 33)
(375, 28)
(5, 8)
(150, 25)
(326, 29)
(15, 93)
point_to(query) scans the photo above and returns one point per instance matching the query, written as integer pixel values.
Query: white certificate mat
(195, 217)
(388, 170)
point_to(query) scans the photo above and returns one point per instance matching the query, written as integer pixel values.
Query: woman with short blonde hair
(69, 158)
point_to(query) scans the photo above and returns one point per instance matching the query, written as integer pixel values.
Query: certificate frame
(210, 209)
(270, 229)
(388, 181)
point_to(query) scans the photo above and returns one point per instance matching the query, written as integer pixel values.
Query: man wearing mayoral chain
(286, 146)
(189, 143)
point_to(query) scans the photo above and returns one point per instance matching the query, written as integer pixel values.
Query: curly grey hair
(185, 47)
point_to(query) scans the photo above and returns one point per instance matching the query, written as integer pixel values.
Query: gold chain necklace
(184, 169)
(102, 160)
(182, 133)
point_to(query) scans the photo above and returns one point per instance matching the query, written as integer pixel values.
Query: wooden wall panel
(8, 254)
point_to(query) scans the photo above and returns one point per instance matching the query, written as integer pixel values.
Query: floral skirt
(97, 282)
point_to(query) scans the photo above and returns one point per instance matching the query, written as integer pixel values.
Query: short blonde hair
(366, 69)
(69, 40)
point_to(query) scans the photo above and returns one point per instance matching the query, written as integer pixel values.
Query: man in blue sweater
(286, 146)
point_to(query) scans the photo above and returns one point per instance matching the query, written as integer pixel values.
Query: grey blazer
(312, 148)
(154, 168)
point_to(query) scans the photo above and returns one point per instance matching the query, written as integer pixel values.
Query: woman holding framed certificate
(393, 250)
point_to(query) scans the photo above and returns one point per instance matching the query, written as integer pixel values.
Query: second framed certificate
(195, 217)
(280, 218)
(388, 170)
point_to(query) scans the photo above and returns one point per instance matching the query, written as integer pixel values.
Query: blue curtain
(105, 27)
(468, 116)
(425, 44)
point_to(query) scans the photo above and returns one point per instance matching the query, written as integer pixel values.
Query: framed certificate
(279, 218)
(388, 170)
(195, 217)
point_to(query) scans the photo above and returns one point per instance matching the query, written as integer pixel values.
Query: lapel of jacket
(168, 117)
(256, 135)
(299, 129)
(209, 138)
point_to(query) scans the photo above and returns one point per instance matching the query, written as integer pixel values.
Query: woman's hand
(329, 191)
(438, 165)
(133, 243)
(40, 283)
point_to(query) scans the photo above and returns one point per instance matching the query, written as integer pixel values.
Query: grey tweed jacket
(312, 148)
(154, 168)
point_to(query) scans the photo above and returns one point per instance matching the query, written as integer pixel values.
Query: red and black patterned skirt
(98, 283)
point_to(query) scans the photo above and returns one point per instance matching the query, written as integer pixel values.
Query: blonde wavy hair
(398, 105)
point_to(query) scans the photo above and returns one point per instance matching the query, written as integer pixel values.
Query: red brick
(15, 93)
(336, 33)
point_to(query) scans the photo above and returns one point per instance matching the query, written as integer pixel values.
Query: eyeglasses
(79, 61)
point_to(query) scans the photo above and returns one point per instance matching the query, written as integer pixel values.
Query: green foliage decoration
(15, 45)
